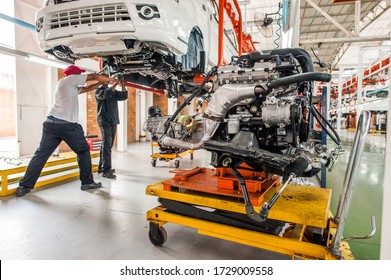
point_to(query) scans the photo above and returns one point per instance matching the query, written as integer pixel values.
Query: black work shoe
(111, 170)
(109, 175)
(21, 191)
(94, 185)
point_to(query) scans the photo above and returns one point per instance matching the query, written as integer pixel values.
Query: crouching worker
(62, 125)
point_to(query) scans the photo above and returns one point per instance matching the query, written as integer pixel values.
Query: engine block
(257, 112)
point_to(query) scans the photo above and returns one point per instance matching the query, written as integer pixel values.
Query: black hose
(304, 77)
(328, 124)
(320, 120)
(190, 98)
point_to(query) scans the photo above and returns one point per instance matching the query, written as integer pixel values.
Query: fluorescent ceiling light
(33, 58)
(47, 61)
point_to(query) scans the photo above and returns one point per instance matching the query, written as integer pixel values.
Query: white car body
(128, 33)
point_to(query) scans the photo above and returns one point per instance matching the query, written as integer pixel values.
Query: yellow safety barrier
(10, 174)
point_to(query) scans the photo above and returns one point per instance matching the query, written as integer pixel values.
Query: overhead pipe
(17, 21)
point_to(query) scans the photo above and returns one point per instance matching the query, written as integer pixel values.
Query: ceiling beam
(345, 3)
(321, 31)
(336, 23)
(332, 15)
(346, 40)
(357, 18)
(328, 24)
(366, 23)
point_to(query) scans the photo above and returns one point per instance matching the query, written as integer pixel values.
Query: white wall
(36, 83)
(144, 99)
(290, 36)
(385, 244)
(31, 91)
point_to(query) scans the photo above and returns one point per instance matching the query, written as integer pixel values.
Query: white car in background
(158, 44)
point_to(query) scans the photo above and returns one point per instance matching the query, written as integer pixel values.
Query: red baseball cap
(72, 69)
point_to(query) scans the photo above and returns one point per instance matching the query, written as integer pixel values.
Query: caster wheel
(153, 162)
(177, 163)
(159, 238)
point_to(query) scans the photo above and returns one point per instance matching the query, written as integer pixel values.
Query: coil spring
(278, 30)
(13, 160)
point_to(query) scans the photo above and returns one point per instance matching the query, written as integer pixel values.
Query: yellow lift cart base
(168, 156)
(304, 211)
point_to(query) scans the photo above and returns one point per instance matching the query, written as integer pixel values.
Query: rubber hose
(285, 81)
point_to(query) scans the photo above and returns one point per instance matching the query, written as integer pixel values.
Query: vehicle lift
(226, 203)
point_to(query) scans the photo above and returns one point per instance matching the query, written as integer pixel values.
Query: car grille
(88, 15)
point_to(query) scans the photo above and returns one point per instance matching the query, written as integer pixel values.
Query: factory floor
(61, 222)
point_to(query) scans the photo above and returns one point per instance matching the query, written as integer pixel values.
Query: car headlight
(147, 11)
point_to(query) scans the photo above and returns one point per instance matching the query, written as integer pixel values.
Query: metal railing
(348, 184)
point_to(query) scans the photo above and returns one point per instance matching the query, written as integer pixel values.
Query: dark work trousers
(52, 135)
(108, 134)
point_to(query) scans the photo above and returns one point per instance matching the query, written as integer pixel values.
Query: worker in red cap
(62, 125)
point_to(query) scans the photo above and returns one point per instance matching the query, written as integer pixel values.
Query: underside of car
(150, 64)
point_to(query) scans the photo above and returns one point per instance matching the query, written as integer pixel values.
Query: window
(8, 143)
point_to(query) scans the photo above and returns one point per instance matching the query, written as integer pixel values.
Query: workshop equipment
(169, 154)
(299, 224)
(222, 181)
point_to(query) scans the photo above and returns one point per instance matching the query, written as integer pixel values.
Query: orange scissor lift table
(299, 209)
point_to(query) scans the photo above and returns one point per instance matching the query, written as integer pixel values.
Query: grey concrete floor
(61, 222)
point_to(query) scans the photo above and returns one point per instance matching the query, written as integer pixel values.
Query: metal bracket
(250, 211)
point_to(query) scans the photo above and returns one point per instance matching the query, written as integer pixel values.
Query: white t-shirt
(66, 101)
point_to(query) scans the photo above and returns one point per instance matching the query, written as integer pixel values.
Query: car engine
(258, 112)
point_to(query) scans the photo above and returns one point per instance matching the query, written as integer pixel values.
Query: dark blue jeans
(52, 135)
(108, 134)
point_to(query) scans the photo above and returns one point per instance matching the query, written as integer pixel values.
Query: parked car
(157, 44)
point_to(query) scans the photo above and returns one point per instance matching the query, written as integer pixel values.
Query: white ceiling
(314, 26)
(382, 26)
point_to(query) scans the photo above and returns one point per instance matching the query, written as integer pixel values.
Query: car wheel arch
(195, 49)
